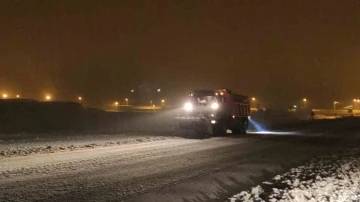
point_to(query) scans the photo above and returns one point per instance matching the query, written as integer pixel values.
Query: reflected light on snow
(260, 130)
(275, 133)
(257, 126)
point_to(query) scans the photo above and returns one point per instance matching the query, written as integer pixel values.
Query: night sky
(278, 51)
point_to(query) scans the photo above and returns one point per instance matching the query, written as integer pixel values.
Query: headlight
(188, 106)
(214, 105)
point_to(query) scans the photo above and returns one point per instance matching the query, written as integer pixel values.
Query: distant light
(132, 90)
(233, 116)
(116, 103)
(295, 106)
(213, 121)
(153, 105)
(17, 96)
(126, 99)
(158, 90)
(253, 99)
(357, 100)
(162, 101)
(354, 100)
(221, 93)
(80, 98)
(304, 99)
(4, 95)
(216, 94)
(48, 97)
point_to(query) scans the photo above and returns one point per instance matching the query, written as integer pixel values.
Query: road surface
(170, 169)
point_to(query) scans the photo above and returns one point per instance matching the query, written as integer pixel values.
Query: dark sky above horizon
(279, 51)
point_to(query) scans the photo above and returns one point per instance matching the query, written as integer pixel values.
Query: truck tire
(237, 126)
(240, 126)
(244, 125)
(219, 129)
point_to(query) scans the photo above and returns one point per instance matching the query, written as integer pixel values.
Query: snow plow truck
(213, 112)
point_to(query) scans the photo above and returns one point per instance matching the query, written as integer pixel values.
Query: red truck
(213, 112)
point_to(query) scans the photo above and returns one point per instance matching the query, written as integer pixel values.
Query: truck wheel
(219, 129)
(237, 126)
(244, 125)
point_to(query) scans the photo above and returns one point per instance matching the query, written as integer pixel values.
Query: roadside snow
(331, 177)
(41, 146)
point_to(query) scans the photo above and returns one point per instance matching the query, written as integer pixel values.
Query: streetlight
(356, 101)
(253, 99)
(132, 90)
(335, 102)
(162, 101)
(354, 105)
(17, 96)
(80, 98)
(4, 96)
(158, 90)
(116, 104)
(48, 97)
(127, 101)
(304, 100)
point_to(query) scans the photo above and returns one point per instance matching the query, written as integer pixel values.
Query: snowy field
(330, 177)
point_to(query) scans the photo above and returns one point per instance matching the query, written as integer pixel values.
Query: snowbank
(332, 177)
(41, 146)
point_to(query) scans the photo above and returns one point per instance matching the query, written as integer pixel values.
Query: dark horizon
(279, 52)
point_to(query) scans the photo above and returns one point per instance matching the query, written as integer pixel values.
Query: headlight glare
(188, 106)
(214, 105)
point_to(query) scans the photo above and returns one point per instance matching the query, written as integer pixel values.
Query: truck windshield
(203, 100)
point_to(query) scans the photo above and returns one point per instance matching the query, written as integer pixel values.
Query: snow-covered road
(150, 168)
